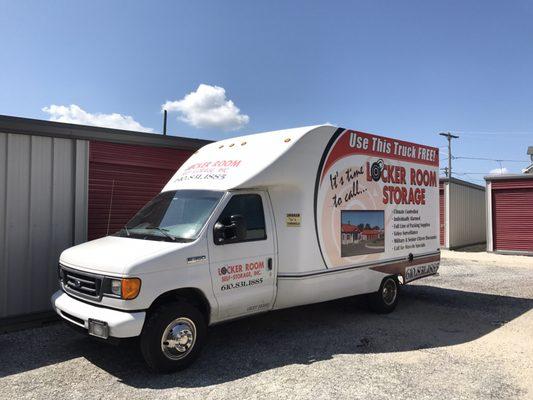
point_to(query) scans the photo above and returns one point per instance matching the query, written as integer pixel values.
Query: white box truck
(258, 223)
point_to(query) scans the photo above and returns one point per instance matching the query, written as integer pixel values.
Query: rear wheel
(173, 336)
(386, 298)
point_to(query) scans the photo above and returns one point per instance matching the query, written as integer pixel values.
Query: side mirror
(238, 224)
(235, 231)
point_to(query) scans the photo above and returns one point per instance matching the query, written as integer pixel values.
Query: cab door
(243, 269)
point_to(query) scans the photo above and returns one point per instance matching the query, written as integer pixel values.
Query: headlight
(125, 288)
(116, 287)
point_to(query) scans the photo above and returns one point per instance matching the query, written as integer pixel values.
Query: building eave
(508, 177)
(37, 127)
(462, 183)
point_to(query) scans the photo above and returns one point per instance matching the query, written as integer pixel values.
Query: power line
(470, 177)
(493, 133)
(473, 173)
(474, 179)
(487, 159)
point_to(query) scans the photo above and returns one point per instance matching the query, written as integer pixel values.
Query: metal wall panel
(467, 215)
(523, 183)
(442, 214)
(43, 183)
(3, 227)
(40, 218)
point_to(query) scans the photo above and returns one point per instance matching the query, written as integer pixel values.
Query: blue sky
(405, 69)
(373, 218)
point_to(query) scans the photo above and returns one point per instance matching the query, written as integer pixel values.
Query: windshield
(177, 215)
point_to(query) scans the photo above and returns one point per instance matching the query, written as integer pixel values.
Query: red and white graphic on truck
(208, 170)
(241, 275)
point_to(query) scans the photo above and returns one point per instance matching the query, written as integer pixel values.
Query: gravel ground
(466, 334)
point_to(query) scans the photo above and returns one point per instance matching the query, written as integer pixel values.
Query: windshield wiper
(126, 229)
(165, 232)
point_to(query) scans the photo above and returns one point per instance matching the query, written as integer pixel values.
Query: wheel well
(193, 296)
(397, 277)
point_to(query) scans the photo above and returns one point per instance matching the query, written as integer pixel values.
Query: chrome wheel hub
(178, 338)
(390, 291)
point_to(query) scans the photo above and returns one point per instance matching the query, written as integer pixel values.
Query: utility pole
(449, 136)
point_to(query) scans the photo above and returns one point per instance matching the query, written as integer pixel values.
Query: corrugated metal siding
(512, 210)
(442, 214)
(467, 215)
(42, 212)
(122, 178)
(513, 184)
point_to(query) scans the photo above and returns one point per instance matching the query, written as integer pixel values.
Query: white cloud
(208, 107)
(76, 115)
(499, 171)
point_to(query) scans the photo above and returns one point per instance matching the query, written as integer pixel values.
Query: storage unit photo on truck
(258, 223)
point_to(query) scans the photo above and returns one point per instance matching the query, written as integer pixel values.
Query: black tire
(383, 301)
(155, 326)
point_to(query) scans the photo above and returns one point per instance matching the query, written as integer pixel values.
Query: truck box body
(325, 178)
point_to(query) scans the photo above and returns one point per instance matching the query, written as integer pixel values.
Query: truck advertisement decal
(206, 170)
(375, 198)
(234, 276)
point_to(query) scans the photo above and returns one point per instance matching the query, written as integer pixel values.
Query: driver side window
(250, 207)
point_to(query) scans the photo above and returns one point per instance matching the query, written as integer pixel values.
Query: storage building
(462, 213)
(61, 184)
(510, 213)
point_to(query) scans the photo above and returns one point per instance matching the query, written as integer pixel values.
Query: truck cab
(194, 246)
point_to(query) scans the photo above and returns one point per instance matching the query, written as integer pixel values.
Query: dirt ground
(465, 334)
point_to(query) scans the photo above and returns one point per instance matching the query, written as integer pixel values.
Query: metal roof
(463, 183)
(28, 126)
(508, 177)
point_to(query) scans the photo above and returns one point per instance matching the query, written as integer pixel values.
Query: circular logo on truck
(375, 170)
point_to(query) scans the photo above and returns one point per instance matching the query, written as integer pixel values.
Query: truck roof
(264, 159)
(241, 161)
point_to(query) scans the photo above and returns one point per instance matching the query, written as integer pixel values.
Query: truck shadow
(427, 317)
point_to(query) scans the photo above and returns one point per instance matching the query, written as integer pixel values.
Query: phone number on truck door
(236, 285)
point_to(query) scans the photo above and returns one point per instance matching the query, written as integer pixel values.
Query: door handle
(269, 264)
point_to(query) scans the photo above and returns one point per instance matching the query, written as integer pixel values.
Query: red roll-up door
(123, 178)
(512, 215)
(442, 214)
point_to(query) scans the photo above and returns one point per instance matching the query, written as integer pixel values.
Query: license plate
(419, 271)
(98, 328)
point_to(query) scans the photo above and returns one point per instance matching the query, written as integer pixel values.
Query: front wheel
(173, 337)
(385, 299)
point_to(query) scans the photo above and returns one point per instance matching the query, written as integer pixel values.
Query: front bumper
(121, 324)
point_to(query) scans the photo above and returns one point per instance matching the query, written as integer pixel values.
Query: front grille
(81, 283)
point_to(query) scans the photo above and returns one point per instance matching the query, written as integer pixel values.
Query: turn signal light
(130, 288)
